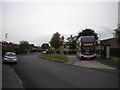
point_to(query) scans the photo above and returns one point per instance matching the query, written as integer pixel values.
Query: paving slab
(86, 63)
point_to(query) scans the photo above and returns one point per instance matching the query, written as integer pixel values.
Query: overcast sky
(36, 22)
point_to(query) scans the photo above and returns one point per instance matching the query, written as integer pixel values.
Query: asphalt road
(35, 72)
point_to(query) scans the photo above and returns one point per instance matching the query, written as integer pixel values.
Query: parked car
(44, 52)
(10, 57)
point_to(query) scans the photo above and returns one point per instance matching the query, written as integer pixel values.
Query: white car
(10, 57)
(44, 52)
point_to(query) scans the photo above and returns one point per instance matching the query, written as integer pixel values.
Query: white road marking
(17, 76)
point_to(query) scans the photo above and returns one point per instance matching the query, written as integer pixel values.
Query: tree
(117, 34)
(32, 45)
(71, 42)
(55, 41)
(24, 45)
(14, 47)
(45, 46)
(87, 32)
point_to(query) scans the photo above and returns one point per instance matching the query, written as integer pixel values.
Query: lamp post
(101, 51)
(6, 36)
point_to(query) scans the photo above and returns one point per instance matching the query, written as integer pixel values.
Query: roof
(108, 39)
(87, 36)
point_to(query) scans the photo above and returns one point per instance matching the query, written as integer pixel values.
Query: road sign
(62, 38)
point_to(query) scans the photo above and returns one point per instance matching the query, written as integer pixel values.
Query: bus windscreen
(88, 50)
(88, 39)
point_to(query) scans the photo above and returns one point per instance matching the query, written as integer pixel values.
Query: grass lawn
(115, 58)
(55, 57)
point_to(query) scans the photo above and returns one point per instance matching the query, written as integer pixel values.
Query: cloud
(105, 32)
(37, 22)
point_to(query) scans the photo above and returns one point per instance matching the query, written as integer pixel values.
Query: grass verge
(115, 58)
(55, 57)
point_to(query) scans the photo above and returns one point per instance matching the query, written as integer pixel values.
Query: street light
(6, 36)
(99, 35)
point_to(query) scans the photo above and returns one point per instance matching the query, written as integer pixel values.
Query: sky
(36, 21)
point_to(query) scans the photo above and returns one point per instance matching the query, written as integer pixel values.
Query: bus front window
(87, 50)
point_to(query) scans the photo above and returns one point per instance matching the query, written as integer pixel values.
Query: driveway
(86, 63)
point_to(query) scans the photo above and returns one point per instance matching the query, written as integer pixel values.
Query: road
(35, 72)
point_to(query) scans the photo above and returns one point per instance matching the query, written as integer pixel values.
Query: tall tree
(117, 34)
(45, 46)
(87, 32)
(71, 42)
(24, 45)
(55, 41)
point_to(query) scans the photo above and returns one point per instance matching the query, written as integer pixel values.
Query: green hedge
(55, 57)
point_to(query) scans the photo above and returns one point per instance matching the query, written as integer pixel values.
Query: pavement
(9, 76)
(97, 63)
(109, 62)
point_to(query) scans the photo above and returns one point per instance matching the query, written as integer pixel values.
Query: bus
(85, 47)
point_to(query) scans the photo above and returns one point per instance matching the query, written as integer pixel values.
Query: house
(111, 41)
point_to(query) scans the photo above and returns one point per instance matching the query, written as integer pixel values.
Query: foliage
(14, 47)
(117, 34)
(115, 58)
(45, 46)
(24, 45)
(55, 41)
(17, 48)
(71, 42)
(55, 57)
(87, 32)
(9, 47)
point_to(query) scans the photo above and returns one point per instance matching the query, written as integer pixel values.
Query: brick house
(114, 46)
(111, 41)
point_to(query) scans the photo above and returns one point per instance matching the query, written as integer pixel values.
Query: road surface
(35, 72)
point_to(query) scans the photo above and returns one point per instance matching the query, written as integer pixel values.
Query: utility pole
(62, 47)
(100, 43)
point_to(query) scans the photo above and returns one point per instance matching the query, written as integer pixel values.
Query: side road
(97, 63)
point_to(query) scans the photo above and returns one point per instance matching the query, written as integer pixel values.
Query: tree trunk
(55, 51)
